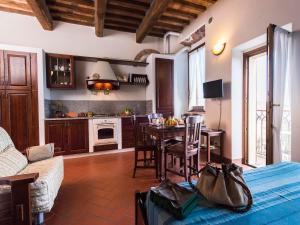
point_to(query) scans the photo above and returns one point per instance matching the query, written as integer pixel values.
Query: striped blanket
(276, 197)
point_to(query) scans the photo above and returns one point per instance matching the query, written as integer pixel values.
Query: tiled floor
(99, 190)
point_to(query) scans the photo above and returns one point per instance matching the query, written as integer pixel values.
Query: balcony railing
(261, 116)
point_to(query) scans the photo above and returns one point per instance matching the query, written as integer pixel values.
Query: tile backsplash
(106, 107)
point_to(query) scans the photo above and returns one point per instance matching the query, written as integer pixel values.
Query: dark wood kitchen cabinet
(127, 132)
(68, 136)
(128, 136)
(78, 136)
(19, 98)
(17, 67)
(164, 70)
(60, 70)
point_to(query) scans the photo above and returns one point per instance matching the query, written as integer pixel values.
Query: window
(196, 77)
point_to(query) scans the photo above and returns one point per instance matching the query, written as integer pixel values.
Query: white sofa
(51, 172)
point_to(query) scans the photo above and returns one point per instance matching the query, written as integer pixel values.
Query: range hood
(102, 77)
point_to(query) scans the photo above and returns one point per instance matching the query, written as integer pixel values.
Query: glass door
(255, 107)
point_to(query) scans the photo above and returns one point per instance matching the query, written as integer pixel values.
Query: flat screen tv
(213, 89)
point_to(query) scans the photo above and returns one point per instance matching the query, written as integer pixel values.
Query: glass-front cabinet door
(60, 71)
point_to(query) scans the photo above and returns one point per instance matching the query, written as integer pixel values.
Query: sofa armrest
(20, 197)
(19, 179)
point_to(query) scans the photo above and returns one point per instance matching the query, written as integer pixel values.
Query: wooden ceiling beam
(157, 8)
(188, 7)
(15, 7)
(100, 10)
(120, 12)
(72, 16)
(173, 13)
(174, 21)
(63, 9)
(77, 3)
(41, 12)
(12, 10)
(128, 5)
(119, 28)
(171, 27)
(73, 21)
(117, 20)
(205, 3)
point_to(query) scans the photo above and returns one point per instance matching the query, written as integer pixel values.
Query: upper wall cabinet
(17, 70)
(60, 71)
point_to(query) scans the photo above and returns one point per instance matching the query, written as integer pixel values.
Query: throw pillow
(38, 153)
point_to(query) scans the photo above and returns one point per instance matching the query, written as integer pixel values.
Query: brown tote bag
(225, 186)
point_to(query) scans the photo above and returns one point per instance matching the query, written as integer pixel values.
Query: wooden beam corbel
(100, 10)
(41, 12)
(157, 8)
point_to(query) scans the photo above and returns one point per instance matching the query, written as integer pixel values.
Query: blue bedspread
(276, 197)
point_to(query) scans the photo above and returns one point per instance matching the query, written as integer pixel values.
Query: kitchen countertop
(88, 118)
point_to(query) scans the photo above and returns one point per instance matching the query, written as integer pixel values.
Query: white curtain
(196, 77)
(282, 51)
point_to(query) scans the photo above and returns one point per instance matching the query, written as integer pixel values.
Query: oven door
(105, 133)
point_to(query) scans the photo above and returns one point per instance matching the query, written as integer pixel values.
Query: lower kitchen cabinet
(128, 138)
(68, 136)
(127, 132)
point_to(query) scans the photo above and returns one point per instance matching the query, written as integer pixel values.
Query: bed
(276, 195)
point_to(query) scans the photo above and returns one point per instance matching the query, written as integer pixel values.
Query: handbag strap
(247, 192)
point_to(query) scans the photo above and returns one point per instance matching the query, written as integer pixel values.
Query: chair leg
(145, 157)
(172, 158)
(185, 170)
(191, 162)
(135, 163)
(165, 165)
(156, 163)
(198, 161)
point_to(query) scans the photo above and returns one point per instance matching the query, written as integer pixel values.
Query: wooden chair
(15, 201)
(187, 151)
(145, 145)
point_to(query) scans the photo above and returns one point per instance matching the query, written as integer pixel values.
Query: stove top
(103, 115)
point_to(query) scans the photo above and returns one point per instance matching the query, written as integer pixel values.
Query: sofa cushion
(5, 140)
(44, 190)
(11, 162)
(37, 153)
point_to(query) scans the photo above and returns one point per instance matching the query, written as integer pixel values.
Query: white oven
(107, 131)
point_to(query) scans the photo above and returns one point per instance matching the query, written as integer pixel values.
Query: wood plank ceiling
(144, 17)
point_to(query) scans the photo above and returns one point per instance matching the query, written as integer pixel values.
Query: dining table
(161, 133)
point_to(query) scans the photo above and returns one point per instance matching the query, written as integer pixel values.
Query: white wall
(181, 80)
(295, 103)
(236, 22)
(71, 39)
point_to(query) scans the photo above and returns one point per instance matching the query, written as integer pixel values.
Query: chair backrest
(5, 140)
(192, 132)
(154, 116)
(140, 138)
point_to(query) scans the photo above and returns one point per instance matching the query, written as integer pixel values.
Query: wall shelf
(112, 61)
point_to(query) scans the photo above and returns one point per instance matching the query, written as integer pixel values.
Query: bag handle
(248, 194)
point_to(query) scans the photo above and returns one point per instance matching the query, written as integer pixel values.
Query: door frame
(270, 76)
(246, 57)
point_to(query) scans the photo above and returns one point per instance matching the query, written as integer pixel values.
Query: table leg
(221, 148)
(162, 160)
(208, 148)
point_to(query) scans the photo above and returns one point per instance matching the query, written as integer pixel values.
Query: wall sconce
(219, 48)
